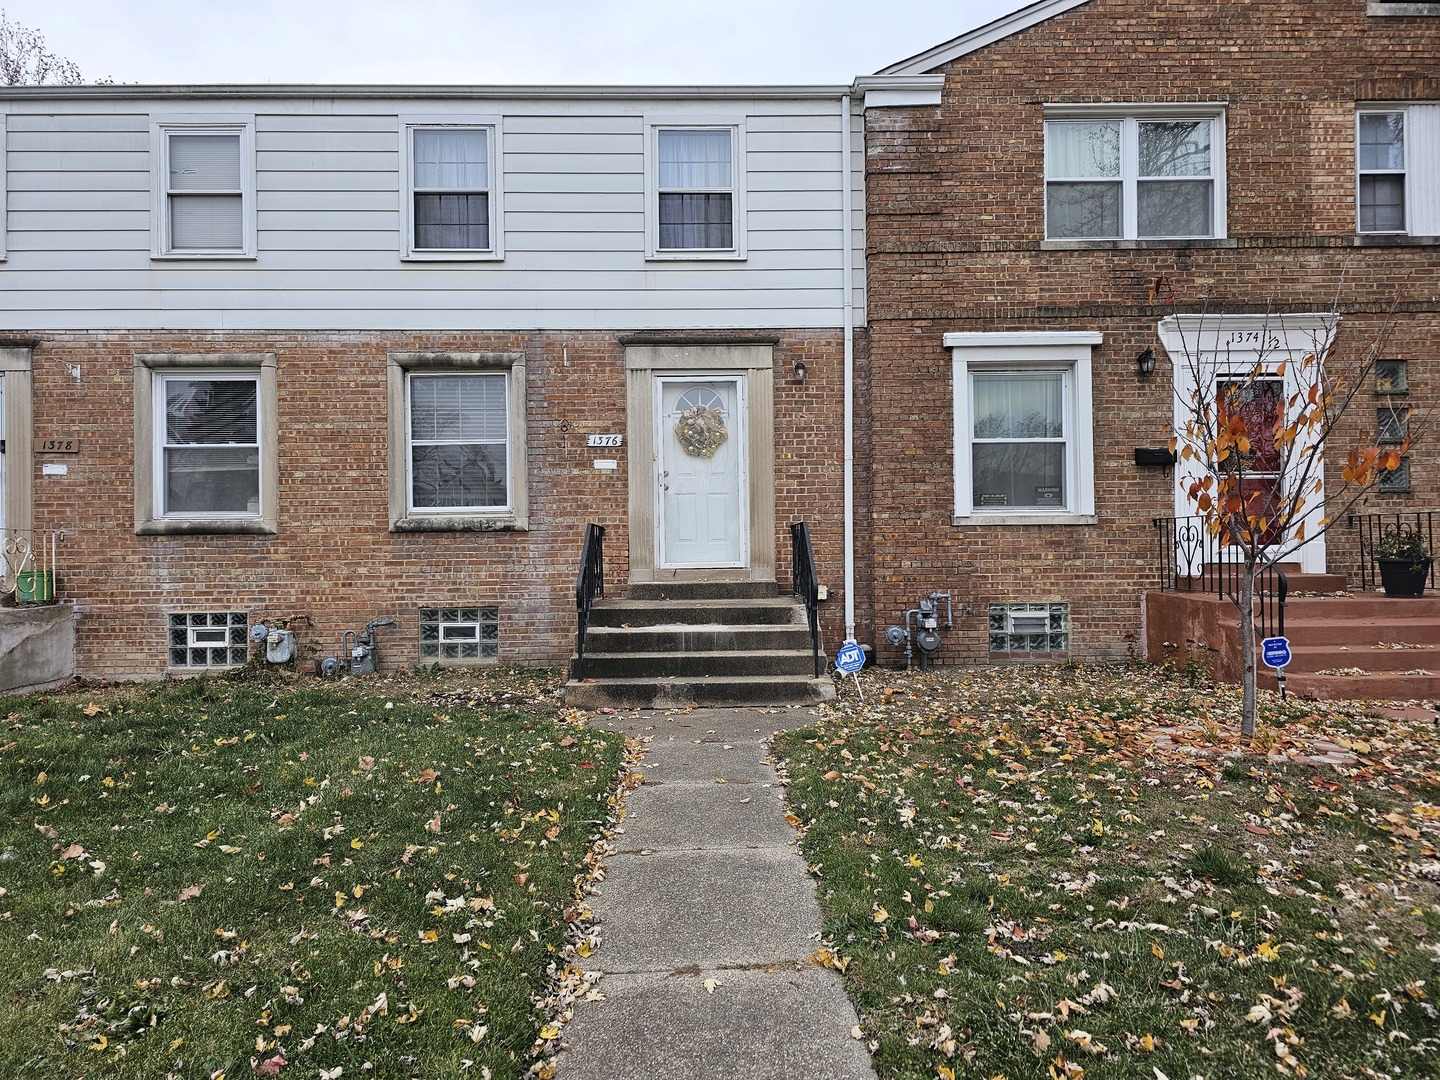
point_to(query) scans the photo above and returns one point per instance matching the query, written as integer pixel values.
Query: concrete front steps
(679, 644)
(1388, 648)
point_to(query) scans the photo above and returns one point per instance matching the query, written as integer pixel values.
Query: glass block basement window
(200, 640)
(467, 635)
(1029, 629)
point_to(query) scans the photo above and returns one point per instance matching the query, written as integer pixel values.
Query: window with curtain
(1131, 178)
(209, 453)
(205, 191)
(695, 180)
(450, 188)
(459, 442)
(1018, 441)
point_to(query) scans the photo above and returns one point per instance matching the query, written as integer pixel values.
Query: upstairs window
(1132, 178)
(205, 194)
(696, 201)
(451, 204)
(1397, 158)
(1381, 144)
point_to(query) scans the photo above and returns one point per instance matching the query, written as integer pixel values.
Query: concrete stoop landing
(680, 644)
(708, 922)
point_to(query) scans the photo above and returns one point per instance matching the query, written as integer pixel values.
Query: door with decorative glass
(702, 498)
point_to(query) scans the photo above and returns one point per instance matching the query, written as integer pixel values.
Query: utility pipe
(847, 276)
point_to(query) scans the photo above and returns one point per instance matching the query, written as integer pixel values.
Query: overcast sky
(495, 41)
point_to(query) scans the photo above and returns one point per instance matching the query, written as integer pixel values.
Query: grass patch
(216, 876)
(1018, 882)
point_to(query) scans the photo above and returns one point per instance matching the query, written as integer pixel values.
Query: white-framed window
(452, 200)
(696, 195)
(457, 441)
(1024, 440)
(204, 188)
(1133, 177)
(205, 458)
(1397, 160)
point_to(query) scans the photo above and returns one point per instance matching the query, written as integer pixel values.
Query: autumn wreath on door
(700, 430)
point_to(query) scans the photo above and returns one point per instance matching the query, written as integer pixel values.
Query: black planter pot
(1403, 577)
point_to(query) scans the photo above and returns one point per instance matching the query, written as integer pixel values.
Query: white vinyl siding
(1129, 177)
(204, 189)
(1397, 158)
(331, 188)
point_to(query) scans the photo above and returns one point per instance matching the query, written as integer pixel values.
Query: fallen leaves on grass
(1091, 858)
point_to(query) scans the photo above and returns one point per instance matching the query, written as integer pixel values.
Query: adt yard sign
(1275, 651)
(850, 658)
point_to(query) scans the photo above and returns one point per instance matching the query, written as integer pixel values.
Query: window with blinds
(459, 442)
(205, 189)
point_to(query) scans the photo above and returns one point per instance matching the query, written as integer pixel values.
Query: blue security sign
(850, 658)
(1275, 651)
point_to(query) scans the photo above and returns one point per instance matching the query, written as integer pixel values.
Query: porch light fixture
(1145, 363)
(800, 371)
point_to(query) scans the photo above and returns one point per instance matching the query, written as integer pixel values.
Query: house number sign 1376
(603, 440)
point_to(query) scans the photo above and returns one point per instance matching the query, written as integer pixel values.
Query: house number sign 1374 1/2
(57, 444)
(603, 440)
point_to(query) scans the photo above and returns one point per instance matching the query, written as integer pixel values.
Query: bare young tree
(26, 60)
(1255, 414)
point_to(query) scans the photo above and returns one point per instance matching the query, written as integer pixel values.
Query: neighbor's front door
(702, 498)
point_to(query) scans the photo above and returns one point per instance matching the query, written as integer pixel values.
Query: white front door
(702, 497)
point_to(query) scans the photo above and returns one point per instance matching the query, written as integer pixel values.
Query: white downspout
(848, 304)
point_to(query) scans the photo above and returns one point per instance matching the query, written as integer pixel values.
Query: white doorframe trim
(1212, 346)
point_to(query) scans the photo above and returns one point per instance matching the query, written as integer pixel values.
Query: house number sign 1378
(58, 444)
(603, 440)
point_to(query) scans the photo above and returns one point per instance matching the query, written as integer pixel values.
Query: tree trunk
(1247, 651)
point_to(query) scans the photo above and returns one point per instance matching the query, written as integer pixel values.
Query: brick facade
(334, 560)
(956, 242)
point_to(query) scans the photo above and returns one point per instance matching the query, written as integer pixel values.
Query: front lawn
(1017, 882)
(231, 877)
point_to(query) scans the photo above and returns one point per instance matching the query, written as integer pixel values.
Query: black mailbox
(1154, 455)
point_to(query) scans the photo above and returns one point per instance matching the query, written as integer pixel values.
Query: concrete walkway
(708, 920)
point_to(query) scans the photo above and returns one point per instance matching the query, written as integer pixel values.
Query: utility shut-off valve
(922, 628)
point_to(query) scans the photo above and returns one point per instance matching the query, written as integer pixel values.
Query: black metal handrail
(1187, 551)
(590, 586)
(1369, 528)
(805, 584)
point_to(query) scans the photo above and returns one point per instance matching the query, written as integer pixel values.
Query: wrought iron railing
(1369, 528)
(589, 587)
(805, 585)
(30, 564)
(1189, 554)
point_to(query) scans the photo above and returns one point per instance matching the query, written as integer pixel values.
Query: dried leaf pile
(1022, 877)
